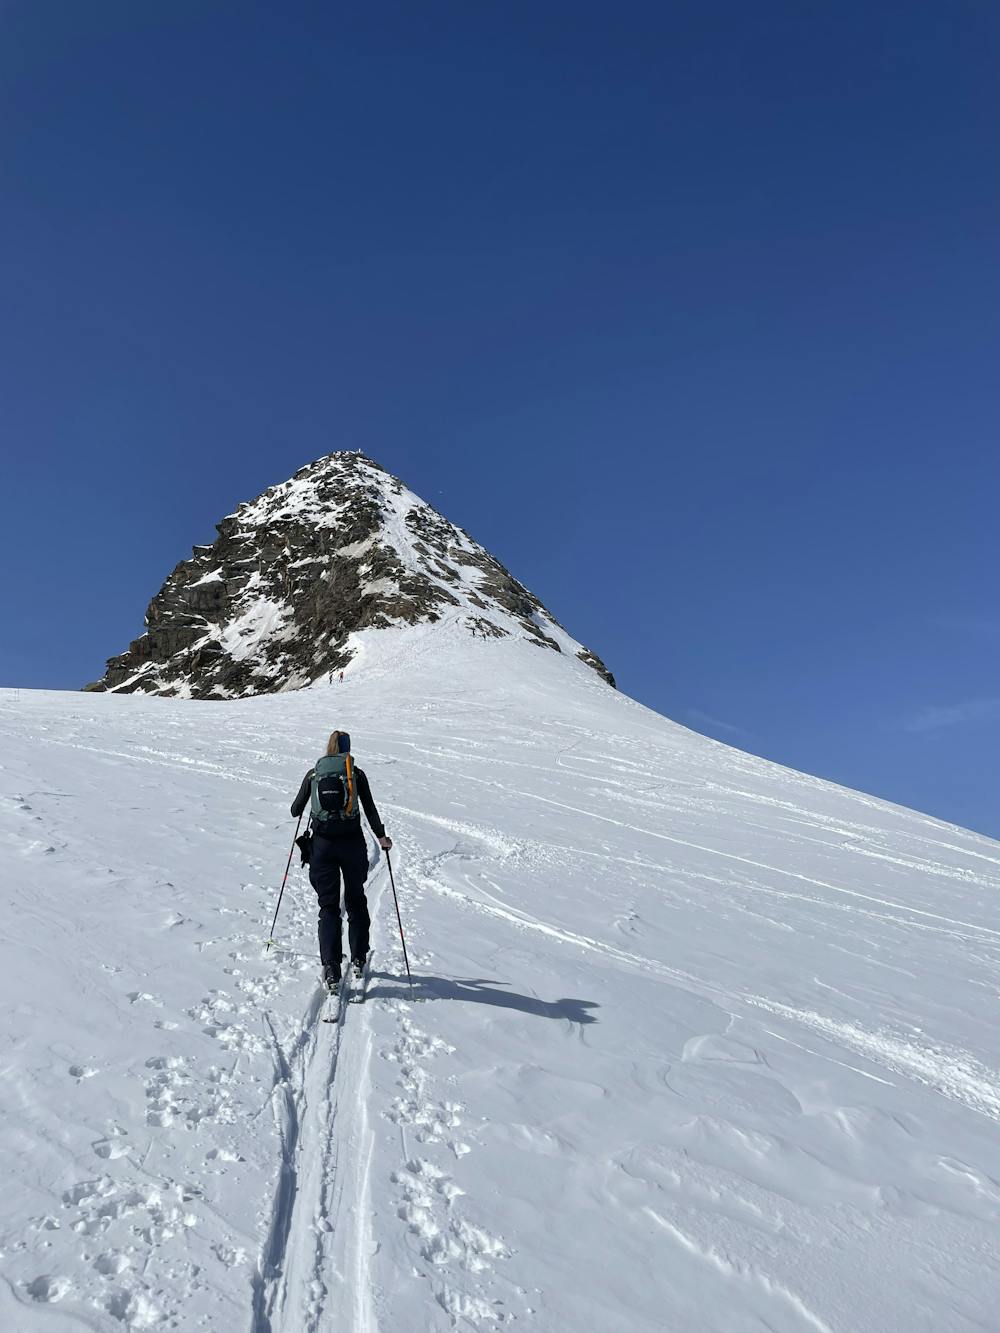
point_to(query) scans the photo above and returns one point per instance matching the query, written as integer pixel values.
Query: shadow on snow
(480, 991)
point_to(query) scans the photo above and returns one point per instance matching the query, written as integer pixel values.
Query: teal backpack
(334, 795)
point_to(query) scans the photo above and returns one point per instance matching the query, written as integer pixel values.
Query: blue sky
(689, 312)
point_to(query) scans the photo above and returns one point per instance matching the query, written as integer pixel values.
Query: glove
(385, 843)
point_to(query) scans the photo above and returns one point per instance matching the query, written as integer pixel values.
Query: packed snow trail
(316, 1257)
(695, 1042)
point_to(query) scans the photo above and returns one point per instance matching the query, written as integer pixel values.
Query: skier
(333, 788)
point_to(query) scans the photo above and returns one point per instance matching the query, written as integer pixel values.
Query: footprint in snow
(110, 1149)
(49, 1288)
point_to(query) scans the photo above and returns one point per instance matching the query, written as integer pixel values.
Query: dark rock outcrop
(340, 547)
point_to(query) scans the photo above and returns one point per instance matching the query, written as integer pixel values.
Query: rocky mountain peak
(340, 547)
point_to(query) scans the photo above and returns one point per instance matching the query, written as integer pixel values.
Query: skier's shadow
(478, 990)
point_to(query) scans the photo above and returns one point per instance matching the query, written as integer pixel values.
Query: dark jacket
(336, 829)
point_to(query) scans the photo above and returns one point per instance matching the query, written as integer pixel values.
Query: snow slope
(696, 1043)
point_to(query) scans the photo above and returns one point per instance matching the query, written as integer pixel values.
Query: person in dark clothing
(334, 788)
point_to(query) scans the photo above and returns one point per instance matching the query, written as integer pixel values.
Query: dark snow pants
(331, 858)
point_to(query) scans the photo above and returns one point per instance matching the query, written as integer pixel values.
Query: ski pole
(270, 938)
(402, 937)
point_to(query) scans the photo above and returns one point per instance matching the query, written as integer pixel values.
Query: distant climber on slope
(333, 789)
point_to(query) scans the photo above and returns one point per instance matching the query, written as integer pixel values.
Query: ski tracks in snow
(951, 1072)
(314, 1268)
(316, 1272)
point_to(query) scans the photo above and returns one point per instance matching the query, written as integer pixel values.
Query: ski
(361, 975)
(350, 989)
(333, 1005)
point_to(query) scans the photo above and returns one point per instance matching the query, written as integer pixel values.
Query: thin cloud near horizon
(934, 717)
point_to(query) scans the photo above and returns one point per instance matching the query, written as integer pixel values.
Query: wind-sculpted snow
(694, 1042)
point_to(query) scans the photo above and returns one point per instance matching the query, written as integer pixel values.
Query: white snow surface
(695, 1043)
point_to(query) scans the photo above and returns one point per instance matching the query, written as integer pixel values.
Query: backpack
(334, 797)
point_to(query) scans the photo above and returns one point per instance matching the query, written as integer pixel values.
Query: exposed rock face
(341, 547)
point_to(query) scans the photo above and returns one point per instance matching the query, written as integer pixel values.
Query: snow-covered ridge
(340, 547)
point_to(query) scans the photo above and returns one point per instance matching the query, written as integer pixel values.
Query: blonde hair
(331, 745)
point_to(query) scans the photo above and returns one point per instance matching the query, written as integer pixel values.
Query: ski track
(954, 1074)
(778, 1309)
(748, 861)
(313, 1271)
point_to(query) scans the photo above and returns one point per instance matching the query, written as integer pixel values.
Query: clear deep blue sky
(688, 311)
